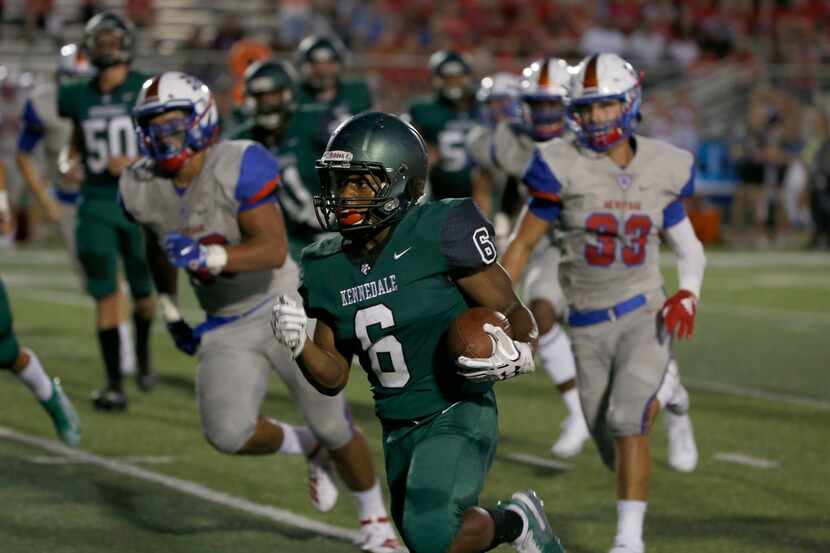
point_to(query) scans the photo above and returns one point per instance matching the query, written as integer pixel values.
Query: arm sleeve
(32, 129)
(467, 238)
(259, 176)
(674, 213)
(544, 189)
(690, 257)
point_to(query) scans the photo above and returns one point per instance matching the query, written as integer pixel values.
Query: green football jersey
(106, 126)
(446, 130)
(294, 196)
(393, 310)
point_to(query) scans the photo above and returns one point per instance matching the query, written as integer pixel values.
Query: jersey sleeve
(467, 240)
(259, 176)
(32, 128)
(544, 188)
(675, 212)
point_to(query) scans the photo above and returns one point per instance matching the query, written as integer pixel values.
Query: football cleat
(682, 447)
(573, 437)
(146, 379)
(378, 536)
(108, 399)
(65, 418)
(321, 487)
(537, 535)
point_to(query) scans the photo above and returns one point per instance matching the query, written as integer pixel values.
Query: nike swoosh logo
(399, 255)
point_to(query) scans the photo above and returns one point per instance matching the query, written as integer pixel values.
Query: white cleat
(682, 447)
(322, 490)
(378, 536)
(572, 439)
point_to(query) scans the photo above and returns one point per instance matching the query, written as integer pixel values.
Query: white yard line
(135, 460)
(194, 489)
(535, 461)
(755, 393)
(747, 460)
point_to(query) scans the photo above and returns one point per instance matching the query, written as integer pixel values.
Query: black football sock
(110, 343)
(508, 526)
(142, 342)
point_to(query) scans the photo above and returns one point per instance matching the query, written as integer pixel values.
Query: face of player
(455, 87)
(324, 73)
(547, 118)
(270, 108)
(600, 112)
(108, 44)
(168, 130)
(356, 191)
(500, 108)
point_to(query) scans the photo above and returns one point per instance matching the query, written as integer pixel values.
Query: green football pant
(436, 469)
(9, 348)
(99, 243)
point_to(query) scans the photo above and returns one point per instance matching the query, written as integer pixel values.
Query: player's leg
(125, 332)
(449, 462)
(137, 273)
(26, 366)
(342, 445)
(547, 303)
(97, 244)
(640, 363)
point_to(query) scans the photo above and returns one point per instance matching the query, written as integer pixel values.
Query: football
(466, 335)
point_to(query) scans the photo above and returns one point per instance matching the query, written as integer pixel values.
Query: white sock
(670, 384)
(556, 355)
(127, 351)
(630, 517)
(571, 399)
(370, 503)
(36, 378)
(297, 440)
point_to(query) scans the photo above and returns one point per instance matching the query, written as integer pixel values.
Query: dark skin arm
(322, 364)
(264, 240)
(493, 288)
(530, 230)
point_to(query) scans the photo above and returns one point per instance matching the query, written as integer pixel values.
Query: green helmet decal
(385, 150)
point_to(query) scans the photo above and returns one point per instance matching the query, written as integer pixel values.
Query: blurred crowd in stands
(775, 155)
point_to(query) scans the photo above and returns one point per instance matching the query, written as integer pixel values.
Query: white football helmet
(602, 77)
(545, 89)
(73, 63)
(172, 142)
(498, 97)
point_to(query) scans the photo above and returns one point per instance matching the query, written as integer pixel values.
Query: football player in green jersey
(100, 111)
(444, 119)
(386, 288)
(23, 362)
(324, 100)
(271, 91)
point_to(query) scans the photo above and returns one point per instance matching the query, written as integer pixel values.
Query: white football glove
(510, 358)
(289, 322)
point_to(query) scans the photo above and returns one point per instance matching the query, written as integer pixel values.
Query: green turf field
(757, 370)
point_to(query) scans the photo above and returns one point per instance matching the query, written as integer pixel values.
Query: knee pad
(227, 435)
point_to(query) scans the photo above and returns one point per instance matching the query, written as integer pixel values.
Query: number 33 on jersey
(611, 217)
(393, 311)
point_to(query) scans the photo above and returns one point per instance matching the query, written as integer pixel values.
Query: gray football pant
(620, 365)
(234, 364)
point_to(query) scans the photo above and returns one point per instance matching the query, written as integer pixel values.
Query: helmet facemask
(601, 136)
(108, 47)
(544, 116)
(373, 209)
(171, 142)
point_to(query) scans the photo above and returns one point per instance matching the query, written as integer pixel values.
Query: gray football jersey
(237, 175)
(610, 217)
(56, 130)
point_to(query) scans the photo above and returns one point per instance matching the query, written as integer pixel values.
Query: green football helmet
(100, 51)
(312, 53)
(262, 79)
(380, 145)
(452, 75)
